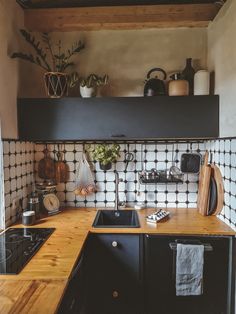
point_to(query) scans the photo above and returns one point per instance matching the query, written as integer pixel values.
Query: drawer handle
(115, 294)
(118, 135)
(114, 244)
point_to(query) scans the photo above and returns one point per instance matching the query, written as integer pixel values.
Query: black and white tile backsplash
(18, 160)
(21, 161)
(224, 156)
(146, 156)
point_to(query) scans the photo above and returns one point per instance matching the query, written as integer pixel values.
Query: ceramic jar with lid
(178, 86)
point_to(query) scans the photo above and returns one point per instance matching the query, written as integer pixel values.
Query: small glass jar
(34, 205)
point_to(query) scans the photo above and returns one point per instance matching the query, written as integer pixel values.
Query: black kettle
(155, 86)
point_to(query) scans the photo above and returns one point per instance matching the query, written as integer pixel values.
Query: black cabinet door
(118, 118)
(113, 274)
(73, 299)
(160, 294)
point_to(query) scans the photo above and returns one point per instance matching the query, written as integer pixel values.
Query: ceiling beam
(120, 17)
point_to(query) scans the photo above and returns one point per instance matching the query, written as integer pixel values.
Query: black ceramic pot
(105, 167)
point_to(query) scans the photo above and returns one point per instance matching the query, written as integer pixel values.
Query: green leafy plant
(59, 61)
(93, 80)
(106, 154)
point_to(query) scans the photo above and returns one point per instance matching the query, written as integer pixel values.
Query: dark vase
(188, 74)
(105, 167)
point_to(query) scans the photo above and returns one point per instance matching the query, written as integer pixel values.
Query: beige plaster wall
(126, 56)
(11, 19)
(222, 60)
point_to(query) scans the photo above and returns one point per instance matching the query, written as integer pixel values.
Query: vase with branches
(56, 76)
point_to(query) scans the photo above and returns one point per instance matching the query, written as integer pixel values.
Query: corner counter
(40, 285)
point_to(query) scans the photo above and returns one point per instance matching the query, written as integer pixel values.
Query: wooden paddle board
(220, 189)
(204, 186)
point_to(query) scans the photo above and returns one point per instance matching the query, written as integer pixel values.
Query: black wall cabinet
(126, 118)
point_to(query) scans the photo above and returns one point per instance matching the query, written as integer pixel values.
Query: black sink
(116, 219)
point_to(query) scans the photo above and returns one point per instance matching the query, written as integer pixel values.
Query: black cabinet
(159, 270)
(126, 118)
(113, 274)
(135, 274)
(74, 297)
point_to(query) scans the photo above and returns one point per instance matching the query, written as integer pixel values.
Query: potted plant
(106, 155)
(88, 85)
(55, 77)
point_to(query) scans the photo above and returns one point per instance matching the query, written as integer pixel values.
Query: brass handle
(115, 294)
(114, 244)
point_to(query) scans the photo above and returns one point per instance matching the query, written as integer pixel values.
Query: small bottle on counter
(34, 204)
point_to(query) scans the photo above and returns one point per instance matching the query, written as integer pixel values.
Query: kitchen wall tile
(224, 155)
(21, 157)
(146, 156)
(18, 175)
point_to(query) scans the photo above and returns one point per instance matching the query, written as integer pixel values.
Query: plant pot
(105, 167)
(56, 84)
(87, 92)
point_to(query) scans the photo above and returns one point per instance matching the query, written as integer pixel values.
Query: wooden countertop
(47, 273)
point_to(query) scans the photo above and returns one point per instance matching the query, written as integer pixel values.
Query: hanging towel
(189, 269)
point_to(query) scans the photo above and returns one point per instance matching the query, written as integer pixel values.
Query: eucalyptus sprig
(59, 62)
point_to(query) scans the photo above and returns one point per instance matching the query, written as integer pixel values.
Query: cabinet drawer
(114, 279)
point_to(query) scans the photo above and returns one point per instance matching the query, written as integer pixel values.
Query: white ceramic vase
(87, 92)
(202, 82)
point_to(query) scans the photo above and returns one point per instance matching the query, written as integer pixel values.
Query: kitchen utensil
(212, 196)
(204, 186)
(44, 188)
(61, 168)
(190, 162)
(46, 166)
(128, 158)
(155, 86)
(51, 203)
(178, 86)
(202, 82)
(174, 171)
(220, 189)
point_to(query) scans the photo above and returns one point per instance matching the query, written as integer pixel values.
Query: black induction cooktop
(18, 246)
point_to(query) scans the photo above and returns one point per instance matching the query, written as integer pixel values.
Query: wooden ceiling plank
(121, 17)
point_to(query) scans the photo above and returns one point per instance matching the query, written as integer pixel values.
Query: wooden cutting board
(61, 169)
(220, 188)
(46, 166)
(204, 186)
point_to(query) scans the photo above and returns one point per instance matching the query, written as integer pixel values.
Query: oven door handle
(207, 247)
